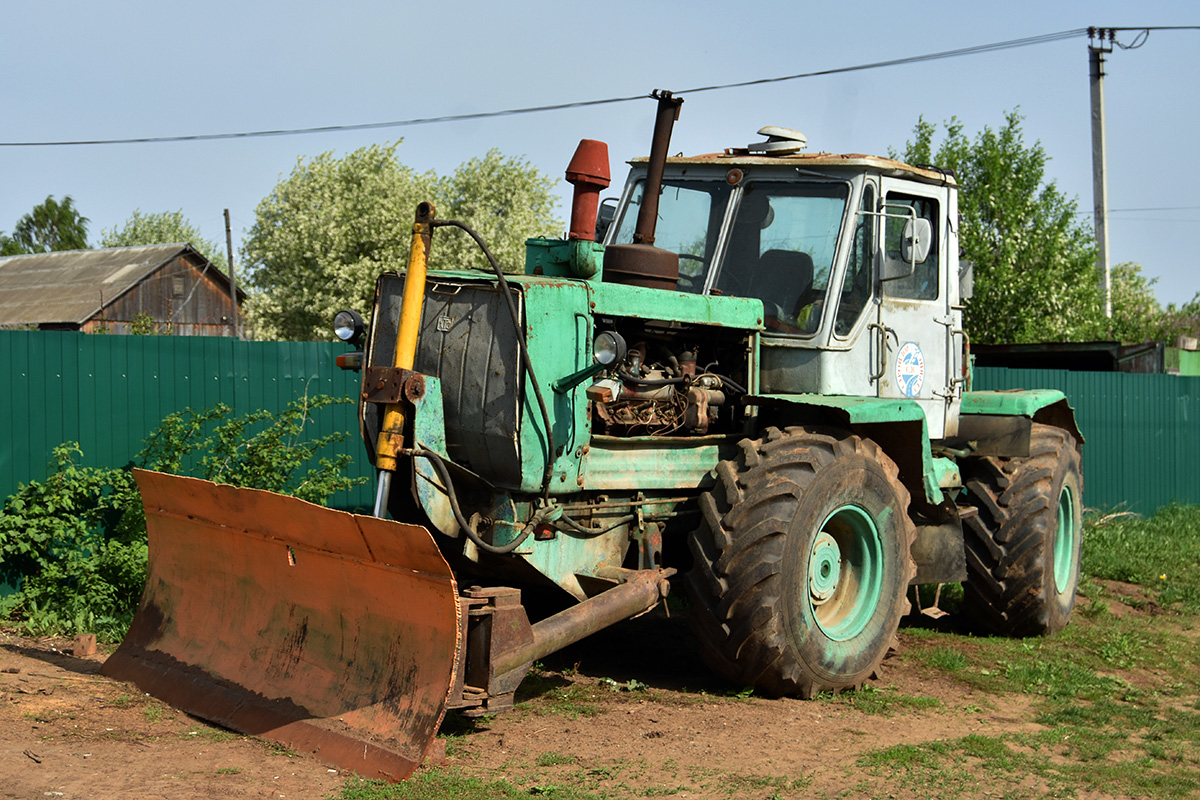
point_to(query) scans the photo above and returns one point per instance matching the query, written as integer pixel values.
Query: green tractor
(753, 382)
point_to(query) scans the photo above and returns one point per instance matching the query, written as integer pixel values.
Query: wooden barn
(168, 288)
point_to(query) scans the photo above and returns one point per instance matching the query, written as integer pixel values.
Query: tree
(1137, 314)
(166, 227)
(326, 231)
(505, 200)
(50, 226)
(1034, 261)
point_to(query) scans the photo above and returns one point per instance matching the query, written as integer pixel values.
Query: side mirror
(966, 280)
(916, 240)
(604, 217)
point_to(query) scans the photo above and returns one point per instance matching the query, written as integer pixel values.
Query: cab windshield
(782, 249)
(689, 219)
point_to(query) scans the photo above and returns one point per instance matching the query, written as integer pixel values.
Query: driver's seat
(783, 277)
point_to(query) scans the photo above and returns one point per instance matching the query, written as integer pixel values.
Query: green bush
(75, 543)
(260, 450)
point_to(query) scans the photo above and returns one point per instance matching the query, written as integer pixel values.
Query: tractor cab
(854, 259)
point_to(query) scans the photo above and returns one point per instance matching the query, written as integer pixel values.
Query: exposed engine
(672, 381)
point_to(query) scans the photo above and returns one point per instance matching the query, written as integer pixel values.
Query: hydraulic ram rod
(391, 429)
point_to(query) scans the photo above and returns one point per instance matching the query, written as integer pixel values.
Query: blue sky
(92, 70)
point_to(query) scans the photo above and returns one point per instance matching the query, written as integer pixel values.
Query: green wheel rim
(1065, 541)
(845, 573)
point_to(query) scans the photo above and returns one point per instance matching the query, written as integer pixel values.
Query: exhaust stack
(641, 263)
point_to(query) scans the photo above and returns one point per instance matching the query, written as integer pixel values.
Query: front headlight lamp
(348, 326)
(608, 348)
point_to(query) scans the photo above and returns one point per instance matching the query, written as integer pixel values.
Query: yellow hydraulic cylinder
(391, 430)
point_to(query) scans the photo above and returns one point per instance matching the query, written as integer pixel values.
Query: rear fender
(998, 423)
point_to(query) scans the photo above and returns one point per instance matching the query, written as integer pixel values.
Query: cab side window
(923, 283)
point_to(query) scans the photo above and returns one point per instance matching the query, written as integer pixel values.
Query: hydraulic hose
(506, 290)
(439, 466)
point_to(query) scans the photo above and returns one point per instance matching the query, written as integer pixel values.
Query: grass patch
(904, 756)
(552, 759)
(440, 784)
(1131, 550)
(156, 712)
(715, 780)
(882, 701)
(547, 693)
(1059, 762)
(572, 702)
(1116, 691)
(207, 734)
(944, 659)
(630, 685)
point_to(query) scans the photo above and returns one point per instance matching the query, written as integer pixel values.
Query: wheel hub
(824, 568)
(1064, 541)
(845, 573)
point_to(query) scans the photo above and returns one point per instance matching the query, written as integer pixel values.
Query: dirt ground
(67, 732)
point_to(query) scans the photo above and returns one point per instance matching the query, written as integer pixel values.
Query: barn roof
(72, 286)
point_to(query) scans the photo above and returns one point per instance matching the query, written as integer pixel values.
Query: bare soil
(66, 731)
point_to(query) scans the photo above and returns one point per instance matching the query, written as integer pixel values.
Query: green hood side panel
(558, 333)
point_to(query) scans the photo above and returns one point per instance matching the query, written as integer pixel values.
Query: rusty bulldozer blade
(331, 633)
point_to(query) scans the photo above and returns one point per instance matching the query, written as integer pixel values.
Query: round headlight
(348, 325)
(608, 348)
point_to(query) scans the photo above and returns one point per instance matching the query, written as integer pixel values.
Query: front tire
(1023, 547)
(802, 562)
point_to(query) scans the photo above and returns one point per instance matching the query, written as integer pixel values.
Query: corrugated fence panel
(110, 392)
(1142, 432)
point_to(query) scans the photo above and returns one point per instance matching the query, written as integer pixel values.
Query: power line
(1159, 208)
(1155, 208)
(1143, 33)
(958, 53)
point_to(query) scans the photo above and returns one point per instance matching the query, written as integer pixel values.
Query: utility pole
(1099, 178)
(232, 277)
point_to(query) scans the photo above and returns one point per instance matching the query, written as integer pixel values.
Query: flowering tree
(326, 231)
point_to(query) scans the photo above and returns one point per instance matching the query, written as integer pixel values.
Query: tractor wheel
(802, 562)
(1023, 547)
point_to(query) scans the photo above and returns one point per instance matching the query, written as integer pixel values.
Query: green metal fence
(110, 392)
(1142, 432)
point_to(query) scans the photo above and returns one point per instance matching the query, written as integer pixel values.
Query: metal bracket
(390, 385)
(492, 621)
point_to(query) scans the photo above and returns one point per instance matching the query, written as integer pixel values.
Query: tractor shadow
(55, 652)
(657, 650)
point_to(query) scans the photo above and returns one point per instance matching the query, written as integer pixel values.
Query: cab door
(912, 334)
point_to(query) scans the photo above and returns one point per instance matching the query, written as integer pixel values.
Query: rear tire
(802, 562)
(1023, 547)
